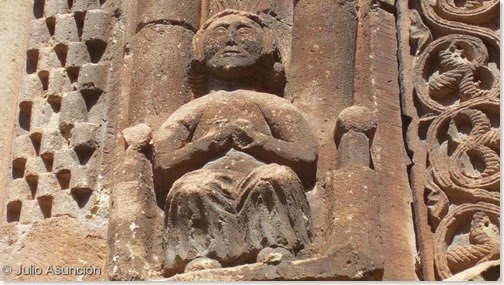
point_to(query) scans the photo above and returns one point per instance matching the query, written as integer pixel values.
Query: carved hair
(271, 62)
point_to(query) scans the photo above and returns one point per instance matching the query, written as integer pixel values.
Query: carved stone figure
(238, 140)
(233, 164)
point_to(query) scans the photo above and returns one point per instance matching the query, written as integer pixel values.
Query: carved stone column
(157, 57)
(320, 82)
(161, 51)
(13, 42)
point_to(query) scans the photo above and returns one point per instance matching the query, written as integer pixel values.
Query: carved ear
(269, 41)
(197, 44)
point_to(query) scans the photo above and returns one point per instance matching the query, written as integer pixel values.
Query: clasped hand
(239, 133)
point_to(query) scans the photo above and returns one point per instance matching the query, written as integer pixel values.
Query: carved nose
(231, 38)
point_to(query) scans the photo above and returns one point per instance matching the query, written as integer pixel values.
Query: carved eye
(245, 31)
(220, 31)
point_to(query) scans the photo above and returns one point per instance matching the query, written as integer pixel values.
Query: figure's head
(234, 44)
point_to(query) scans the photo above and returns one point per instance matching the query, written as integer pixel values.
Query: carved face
(232, 46)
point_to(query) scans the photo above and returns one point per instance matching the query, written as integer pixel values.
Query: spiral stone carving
(459, 247)
(452, 70)
(469, 11)
(464, 156)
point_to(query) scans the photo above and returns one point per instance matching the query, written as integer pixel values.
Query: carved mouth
(232, 51)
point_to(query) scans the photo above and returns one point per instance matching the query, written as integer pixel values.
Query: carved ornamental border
(456, 96)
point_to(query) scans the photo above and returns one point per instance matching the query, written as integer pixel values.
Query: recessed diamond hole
(51, 25)
(62, 52)
(79, 20)
(63, 177)
(44, 79)
(81, 196)
(14, 211)
(25, 110)
(48, 159)
(96, 49)
(18, 168)
(45, 204)
(32, 58)
(38, 8)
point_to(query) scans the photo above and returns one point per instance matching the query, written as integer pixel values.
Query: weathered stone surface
(73, 110)
(486, 271)
(452, 131)
(138, 137)
(78, 54)
(151, 80)
(66, 29)
(54, 7)
(60, 242)
(96, 26)
(93, 77)
(339, 266)
(389, 153)
(39, 34)
(35, 43)
(186, 13)
(84, 5)
(267, 140)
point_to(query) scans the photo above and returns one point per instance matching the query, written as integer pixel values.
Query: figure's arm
(175, 151)
(292, 142)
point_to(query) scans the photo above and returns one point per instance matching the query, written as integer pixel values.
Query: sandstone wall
(401, 97)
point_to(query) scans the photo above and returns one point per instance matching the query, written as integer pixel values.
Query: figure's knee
(201, 182)
(272, 179)
(275, 173)
(191, 184)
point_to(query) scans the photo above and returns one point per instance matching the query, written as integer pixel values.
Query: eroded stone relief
(456, 98)
(255, 140)
(56, 151)
(234, 162)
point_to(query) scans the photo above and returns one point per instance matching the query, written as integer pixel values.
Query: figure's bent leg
(274, 208)
(200, 220)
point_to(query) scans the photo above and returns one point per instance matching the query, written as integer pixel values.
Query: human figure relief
(234, 164)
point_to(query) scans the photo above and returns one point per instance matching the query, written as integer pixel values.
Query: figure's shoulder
(273, 102)
(266, 100)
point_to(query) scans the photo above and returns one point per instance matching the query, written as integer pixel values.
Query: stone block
(41, 116)
(39, 34)
(58, 82)
(93, 77)
(61, 241)
(78, 55)
(47, 185)
(18, 190)
(54, 7)
(30, 212)
(83, 179)
(48, 60)
(73, 110)
(64, 204)
(354, 150)
(84, 5)
(23, 148)
(31, 88)
(355, 214)
(85, 136)
(66, 29)
(96, 26)
(52, 141)
(34, 167)
(65, 159)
